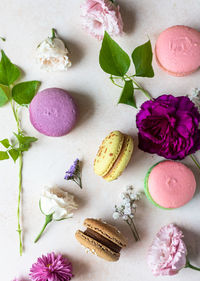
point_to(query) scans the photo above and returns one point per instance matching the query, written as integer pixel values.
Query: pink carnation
(101, 15)
(167, 254)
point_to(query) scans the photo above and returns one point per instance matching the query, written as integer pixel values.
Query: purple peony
(168, 126)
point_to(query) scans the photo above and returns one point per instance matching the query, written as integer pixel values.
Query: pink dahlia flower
(51, 268)
(101, 15)
(167, 254)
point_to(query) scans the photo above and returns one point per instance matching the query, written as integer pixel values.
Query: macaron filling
(102, 240)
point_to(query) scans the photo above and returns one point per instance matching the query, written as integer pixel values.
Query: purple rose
(168, 126)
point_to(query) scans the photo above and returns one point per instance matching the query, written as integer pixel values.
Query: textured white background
(25, 23)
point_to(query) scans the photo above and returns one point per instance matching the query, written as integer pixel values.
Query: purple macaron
(53, 112)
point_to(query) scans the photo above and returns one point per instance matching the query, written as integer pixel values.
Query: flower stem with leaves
(114, 61)
(17, 94)
(127, 210)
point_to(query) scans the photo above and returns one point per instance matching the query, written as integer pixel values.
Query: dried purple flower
(51, 267)
(74, 173)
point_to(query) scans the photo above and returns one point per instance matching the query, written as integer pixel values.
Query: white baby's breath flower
(132, 196)
(125, 217)
(52, 55)
(194, 96)
(134, 206)
(127, 209)
(126, 200)
(116, 215)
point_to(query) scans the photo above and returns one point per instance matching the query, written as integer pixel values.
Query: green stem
(19, 230)
(53, 32)
(135, 234)
(19, 202)
(189, 265)
(47, 221)
(78, 182)
(111, 78)
(141, 88)
(195, 161)
(134, 229)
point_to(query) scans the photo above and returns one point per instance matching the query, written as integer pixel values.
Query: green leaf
(112, 58)
(127, 95)
(24, 92)
(24, 142)
(142, 59)
(14, 153)
(4, 94)
(5, 143)
(9, 72)
(4, 155)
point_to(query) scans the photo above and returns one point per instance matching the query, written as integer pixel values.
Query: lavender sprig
(74, 173)
(127, 209)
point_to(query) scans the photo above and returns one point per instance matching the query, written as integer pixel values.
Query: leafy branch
(116, 62)
(17, 94)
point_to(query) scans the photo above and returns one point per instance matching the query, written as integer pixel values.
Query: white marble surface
(25, 23)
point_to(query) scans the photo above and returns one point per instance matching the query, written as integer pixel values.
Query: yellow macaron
(113, 155)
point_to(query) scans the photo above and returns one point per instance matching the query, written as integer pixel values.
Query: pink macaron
(53, 112)
(178, 50)
(170, 184)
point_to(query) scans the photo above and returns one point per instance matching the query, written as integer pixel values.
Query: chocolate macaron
(101, 239)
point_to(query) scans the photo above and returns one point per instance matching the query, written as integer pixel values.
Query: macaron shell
(178, 50)
(171, 184)
(146, 189)
(107, 230)
(108, 153)
(122, 160)
(53, 112)
(96, 248)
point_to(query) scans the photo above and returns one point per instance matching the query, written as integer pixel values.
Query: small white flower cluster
(127, 209)
(194, 96)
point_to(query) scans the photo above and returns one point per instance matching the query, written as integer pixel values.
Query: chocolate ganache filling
(101, 239)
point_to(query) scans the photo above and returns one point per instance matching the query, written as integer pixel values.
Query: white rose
(57, 202)
(52, 55)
